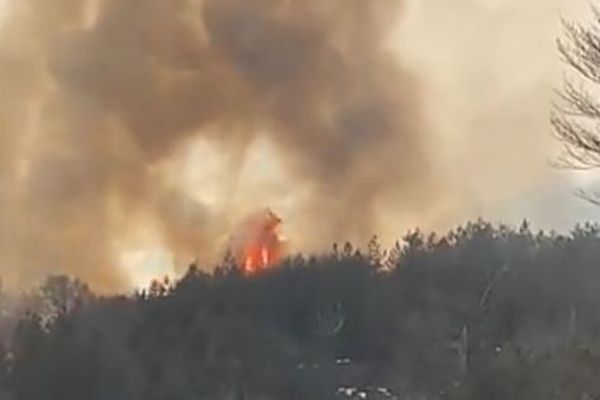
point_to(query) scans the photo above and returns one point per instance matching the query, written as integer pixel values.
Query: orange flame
(261, 245)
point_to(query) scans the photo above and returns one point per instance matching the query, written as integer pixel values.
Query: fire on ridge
(259, 245)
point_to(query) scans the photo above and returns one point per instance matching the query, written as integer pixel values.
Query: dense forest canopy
(483, 312)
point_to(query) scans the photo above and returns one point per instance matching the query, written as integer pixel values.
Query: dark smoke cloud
(109, 90)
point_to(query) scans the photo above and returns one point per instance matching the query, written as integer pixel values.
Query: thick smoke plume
(99, 96)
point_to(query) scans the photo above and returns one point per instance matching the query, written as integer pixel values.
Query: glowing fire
(260, 245)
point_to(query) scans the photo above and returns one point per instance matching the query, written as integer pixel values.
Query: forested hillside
(483, 312)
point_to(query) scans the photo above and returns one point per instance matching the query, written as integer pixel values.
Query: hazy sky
(469, 98)
(490, 67)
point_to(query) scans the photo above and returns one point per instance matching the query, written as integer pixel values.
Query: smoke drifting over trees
(101, 94)
(102, 98)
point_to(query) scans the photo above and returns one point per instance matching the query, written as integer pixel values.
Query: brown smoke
(100, 95)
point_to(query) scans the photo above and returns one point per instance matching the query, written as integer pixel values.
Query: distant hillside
(483, 312)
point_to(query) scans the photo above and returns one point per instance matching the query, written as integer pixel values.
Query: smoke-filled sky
(135, 135)
(489, 69)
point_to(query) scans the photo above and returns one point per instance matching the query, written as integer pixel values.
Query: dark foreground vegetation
(482, 313)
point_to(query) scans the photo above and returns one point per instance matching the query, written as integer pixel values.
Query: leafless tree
(576, 113)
